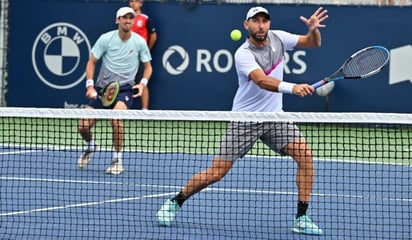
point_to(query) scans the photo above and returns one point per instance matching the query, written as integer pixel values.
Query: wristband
(89, 82)
(144, 81)
(285, 87)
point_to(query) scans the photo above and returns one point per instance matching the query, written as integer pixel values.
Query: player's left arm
(148, 70)
(147, 73)
(313, 38)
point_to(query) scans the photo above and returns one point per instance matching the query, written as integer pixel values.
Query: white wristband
(285, 87)
(89, 82)
(144, 81)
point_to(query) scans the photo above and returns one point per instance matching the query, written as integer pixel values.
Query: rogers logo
(204, 60)
(60, 54)
(175, 49)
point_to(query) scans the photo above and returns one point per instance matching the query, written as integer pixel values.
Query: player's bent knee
(83, 128)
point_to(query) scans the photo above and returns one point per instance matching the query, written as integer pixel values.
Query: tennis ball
(235, 35)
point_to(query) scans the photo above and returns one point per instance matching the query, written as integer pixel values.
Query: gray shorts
(241, 136)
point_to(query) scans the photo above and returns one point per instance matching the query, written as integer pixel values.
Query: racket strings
(366, 62)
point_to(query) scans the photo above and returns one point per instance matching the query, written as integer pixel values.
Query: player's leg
(239, 136)
(116, 166)
(301, 153)
(84, 128)
(286, 139)
(118, 134)
(199, 181)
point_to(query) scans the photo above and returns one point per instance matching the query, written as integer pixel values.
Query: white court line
(85, 182)
(233, 190)
(248, 191)
(71, 148)
(312, 194)
(19, 152)
(84, 204)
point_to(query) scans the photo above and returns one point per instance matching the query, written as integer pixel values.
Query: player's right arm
(274, 85)
(90, 68)
(245, 62)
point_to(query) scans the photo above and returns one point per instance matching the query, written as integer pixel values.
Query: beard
(126, 29)
(259, 38)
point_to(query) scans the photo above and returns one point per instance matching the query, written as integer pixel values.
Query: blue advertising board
(193, 57)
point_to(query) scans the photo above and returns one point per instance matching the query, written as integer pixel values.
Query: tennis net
(362, 187)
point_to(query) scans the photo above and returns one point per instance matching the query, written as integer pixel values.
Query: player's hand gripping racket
(109, 93)
(362, 64)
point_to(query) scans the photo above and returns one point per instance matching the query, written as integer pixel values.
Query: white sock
(118, 155)
(91, 145)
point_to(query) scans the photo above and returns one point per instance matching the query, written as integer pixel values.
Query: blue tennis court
(45, 196)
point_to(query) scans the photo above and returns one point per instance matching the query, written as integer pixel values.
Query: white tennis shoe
(86, 157)
(116, 167)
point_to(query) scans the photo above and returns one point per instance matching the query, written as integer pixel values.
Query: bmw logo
(60, 54)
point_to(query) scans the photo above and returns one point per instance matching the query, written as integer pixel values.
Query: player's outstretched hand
(315, 21)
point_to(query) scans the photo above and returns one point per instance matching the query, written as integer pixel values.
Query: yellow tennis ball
(235, 35)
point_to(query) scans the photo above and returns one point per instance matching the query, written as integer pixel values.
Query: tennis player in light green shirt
(121, 51)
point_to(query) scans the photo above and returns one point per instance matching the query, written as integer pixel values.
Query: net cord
(304, 117)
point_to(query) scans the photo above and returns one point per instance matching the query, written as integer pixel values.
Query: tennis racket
(110, 93)
(362, 64)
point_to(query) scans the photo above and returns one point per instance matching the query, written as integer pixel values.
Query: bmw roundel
(60, 54)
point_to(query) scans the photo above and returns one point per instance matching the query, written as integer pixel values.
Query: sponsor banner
(193, 58)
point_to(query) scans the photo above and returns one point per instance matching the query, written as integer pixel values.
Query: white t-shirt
(249, 96)
(120, 58)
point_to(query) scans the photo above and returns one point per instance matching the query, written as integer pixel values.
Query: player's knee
(298, 150)
(304, 161)
(116, 123)
(304, 153)
(83, 127)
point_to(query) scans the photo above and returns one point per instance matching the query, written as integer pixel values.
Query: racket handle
(318, 84)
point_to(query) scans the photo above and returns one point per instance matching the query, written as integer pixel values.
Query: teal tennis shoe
(304, 224)
(167, 213)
